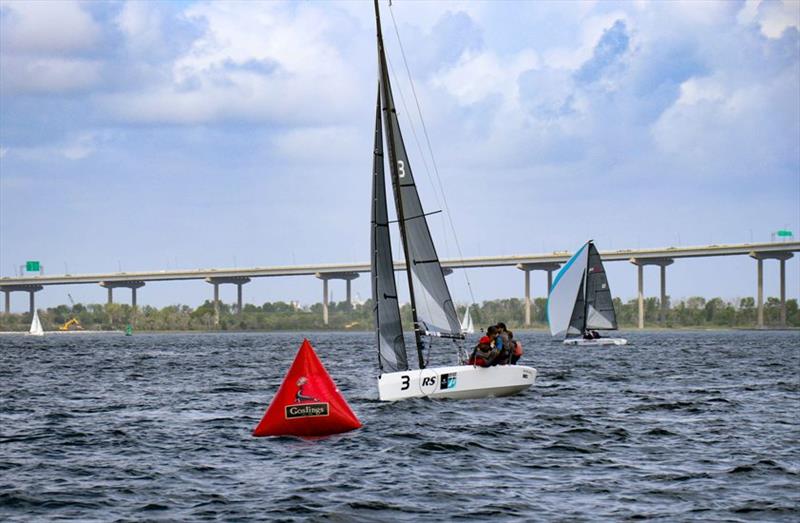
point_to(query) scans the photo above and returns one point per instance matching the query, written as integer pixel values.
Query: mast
(586, 287)
(386, 90)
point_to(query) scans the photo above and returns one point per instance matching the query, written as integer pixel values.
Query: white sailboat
(36, 325)
(467, 327)
(580, 300)
(432, 308)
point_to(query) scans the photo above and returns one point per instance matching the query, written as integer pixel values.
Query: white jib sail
(565, 291)
(36, 325)
(467, 327)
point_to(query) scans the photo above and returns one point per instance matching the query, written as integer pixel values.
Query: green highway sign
(32, 266)
(783, 233)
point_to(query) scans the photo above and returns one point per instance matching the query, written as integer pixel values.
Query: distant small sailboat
(36, 325)
(467, 327)
(580, 300)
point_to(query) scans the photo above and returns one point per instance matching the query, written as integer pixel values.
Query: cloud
(335, 145)
(42, 26)
(142, 24)
(263, 62)
(76, 146)
(19, 75)
(772, 17)
(608, 52)
(45, 48)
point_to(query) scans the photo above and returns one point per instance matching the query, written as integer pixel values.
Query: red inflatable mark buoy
(307, 403)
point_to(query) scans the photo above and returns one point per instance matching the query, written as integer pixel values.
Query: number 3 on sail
(435, 317)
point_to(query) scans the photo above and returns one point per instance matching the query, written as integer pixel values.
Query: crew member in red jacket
(484, 353)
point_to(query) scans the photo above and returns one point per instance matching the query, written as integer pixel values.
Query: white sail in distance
(36, 325)
(467, 327)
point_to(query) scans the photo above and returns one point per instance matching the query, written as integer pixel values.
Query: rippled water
(676, 426)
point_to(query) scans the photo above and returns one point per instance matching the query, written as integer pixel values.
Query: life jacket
(517, 348)
(483, 354)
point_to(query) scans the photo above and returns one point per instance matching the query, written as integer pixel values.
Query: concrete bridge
(549, 262)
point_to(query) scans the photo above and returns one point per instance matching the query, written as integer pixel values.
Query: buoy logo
(307, 410)
(299, 397)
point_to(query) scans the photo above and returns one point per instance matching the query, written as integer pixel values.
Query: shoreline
(346, 331)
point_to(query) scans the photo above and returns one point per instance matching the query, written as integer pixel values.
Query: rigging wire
(430, 150)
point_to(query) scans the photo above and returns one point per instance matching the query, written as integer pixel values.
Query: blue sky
(161, 135)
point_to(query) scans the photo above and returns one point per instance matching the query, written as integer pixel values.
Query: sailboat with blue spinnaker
(580, 302)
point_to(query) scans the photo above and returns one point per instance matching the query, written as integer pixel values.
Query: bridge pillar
(31, 289)
(126, 284)
(216, 304)
(527, 268)
(216, 281)
(325, 276)
(781, 256)
(527, 298)
(662, 263)
(640, 295)
(783, 293)
(325, 301)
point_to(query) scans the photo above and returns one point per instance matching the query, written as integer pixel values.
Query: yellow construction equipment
(72, 324)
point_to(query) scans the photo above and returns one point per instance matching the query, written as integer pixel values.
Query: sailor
(502, 344)
(516, 349)
(484, 353)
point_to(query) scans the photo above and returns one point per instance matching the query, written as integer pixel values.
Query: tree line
(272, 316)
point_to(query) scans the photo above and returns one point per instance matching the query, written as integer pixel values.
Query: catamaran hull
(597, 342)
(456, 382)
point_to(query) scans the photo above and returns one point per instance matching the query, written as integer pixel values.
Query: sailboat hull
(456, 382)
(596, 342)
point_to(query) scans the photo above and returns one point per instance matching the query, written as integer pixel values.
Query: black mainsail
(599, 313)
(432, 307)
(392, 355)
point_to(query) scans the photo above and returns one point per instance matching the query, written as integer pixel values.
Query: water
(677, 426)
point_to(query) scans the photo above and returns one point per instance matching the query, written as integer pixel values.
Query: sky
(168, 135)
